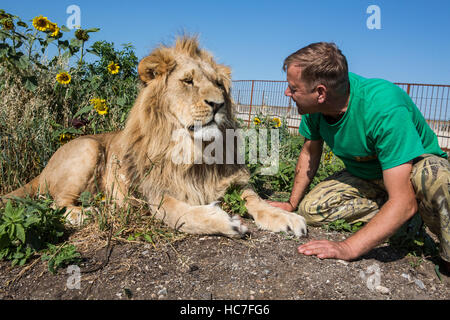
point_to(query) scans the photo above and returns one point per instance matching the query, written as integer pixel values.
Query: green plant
(28, 228)
(61, 256)
(329, 165)
(50, 77)
(233, 202)
(342, 225)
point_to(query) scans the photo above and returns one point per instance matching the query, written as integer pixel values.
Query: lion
(181, 86)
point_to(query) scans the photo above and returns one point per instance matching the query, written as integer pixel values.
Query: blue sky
(253, 37)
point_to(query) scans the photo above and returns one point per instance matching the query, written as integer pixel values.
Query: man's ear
(159, 63)
(322, 93)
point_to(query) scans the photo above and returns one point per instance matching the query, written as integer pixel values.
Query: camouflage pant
(344, 196)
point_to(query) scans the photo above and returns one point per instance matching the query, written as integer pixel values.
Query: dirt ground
(263, 266)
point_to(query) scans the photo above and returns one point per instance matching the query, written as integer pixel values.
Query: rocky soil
(264, 266)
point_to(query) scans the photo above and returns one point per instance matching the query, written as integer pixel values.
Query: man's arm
(305, 170)
(400, 207)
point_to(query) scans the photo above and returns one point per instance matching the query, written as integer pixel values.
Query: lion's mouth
(194, 127)
(207, 132)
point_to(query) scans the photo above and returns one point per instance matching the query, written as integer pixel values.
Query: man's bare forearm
(400, 207)
(305, 170)
(391, 217)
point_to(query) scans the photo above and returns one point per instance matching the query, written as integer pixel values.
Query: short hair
(321, 63)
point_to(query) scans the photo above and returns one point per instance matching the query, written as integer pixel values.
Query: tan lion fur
(182, 84)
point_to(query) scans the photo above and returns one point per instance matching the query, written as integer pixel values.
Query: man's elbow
(411, 207)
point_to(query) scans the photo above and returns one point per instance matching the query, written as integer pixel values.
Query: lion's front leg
(203, 219)
(271, 218)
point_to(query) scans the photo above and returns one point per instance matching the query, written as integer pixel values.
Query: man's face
(304, 96)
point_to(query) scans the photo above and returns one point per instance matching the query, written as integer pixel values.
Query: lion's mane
(147, 136)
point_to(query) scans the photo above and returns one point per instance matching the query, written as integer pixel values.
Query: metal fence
(253, 97)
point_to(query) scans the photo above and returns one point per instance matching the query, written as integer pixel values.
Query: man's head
(316, 74)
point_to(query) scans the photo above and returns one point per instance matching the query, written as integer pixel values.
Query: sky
(253, 37)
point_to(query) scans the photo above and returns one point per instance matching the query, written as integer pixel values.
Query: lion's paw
(211, 219)
(77, 216)
(296, 224)
(238, 227)
(229, 226)
(278, 220)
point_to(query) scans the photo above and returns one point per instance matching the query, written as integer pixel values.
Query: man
(394, 166)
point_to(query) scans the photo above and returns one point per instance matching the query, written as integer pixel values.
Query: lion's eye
(219, 83)
(188, 81)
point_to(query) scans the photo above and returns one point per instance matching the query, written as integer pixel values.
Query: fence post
(251, 101)
(239, 100)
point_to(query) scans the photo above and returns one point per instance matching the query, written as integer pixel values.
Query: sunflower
(328, 156)
(40, 23)
(8, 24)
(256, 121)
(63, 77)
(3, 14)
(53, 28)
(82, 35)
(113, 68)
(99, 105)
(277, 122)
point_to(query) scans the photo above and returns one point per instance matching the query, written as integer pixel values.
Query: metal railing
(253, 97)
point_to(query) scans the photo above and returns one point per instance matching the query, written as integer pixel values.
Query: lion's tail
(29, 189)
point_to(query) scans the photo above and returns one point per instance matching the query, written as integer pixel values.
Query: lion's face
(200, 94)
(196, 89)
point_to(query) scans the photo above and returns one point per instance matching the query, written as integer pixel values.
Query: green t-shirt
(381, 129)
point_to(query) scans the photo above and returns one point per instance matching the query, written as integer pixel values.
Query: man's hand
(325, 249)
(287, 206)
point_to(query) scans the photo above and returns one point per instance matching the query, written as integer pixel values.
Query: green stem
(31, 43)
(82, 53)
(14, 45)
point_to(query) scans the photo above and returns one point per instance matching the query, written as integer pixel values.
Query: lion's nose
(215, 105)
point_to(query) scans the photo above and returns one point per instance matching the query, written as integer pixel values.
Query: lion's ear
(159, 63)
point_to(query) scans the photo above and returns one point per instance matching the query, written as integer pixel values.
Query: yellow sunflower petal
(277, 122)
(41, 23)
(53, 28)
(113, 68)
(63, 78)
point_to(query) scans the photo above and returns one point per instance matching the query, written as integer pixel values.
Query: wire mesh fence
(255, 97)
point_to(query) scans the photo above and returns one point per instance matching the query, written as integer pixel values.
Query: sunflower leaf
(31, 83)
(93, 30)
(83, 111)
(64, 28)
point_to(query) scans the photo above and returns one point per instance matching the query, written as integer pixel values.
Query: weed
(233, 202)
(342, 225)
(61, 256)
(28, 228)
